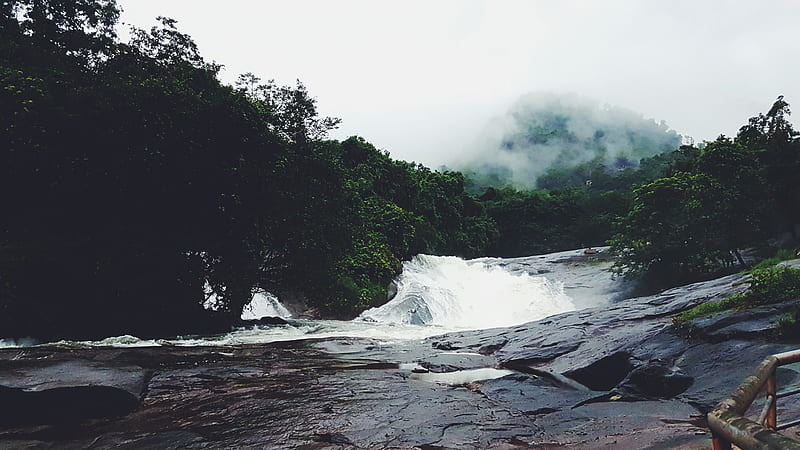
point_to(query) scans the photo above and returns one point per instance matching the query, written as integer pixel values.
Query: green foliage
(774, 285)
(139, 185)
(666, 230)
(769, 285)
(783, 254)
(706, 309)
(576, 207)
(788, 326)
(148, 186)
(396, 210)
(728, 195)
(533, 222)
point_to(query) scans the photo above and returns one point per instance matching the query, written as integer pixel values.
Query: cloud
(422, 78)
(547, 130)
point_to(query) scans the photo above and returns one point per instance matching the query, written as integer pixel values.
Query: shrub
(769, 285)
(783, 254)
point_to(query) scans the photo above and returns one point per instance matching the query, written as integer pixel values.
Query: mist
(420, 79)
(548, 130)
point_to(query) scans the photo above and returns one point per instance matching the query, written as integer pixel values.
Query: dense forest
(136, 186)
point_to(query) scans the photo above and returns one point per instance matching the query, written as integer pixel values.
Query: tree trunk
(739, 257)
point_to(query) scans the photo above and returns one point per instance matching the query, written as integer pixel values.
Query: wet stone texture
(617, 376)
(271, 396)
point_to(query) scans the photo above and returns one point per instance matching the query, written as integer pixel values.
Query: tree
(141, 186)
(665, 237)
(775, 142)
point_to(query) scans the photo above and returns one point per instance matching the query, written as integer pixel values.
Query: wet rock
(532, 395)
(63, 405)
(603, 374)
(718, 369)
(453, 361)
(622, 425)
(50, 392)
(264, 321)
(759, 321)
(656, 379)
(333, 438)
(358, 393)
(43, 374)
(165, 439)
(346, 346)
(492, 347)
(445, 345)
(391, 291)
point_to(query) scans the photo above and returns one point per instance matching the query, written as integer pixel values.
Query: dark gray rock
(445, 345)
(532, 395)
(491, 347)
(391, 290)
(603, 374)
(453, 361)
(264, 321)
(40, 375)
(49, 392)
(651, 383)
(724, 325)
(63, 405)
(655, 380)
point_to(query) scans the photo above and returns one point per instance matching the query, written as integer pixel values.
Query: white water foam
(451, 292)
(436, 295)
(265, 304)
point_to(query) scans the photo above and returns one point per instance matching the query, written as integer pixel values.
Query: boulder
(268, 320)
(68, 392)
(656, 380)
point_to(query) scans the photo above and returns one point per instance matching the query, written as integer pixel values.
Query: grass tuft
(769, 285)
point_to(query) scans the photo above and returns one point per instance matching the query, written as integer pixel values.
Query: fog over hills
(547, 130)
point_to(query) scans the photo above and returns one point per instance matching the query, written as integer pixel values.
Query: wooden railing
(730, 427)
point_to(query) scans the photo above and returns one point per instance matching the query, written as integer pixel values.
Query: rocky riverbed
(616, 376)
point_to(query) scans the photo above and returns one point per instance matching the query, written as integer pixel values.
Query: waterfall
(452, 292)
(264, 304)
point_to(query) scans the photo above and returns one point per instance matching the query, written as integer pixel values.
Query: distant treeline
(136, 186)
(675, 217)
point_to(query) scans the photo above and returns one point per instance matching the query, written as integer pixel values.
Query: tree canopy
(141, 187)
(729, 194)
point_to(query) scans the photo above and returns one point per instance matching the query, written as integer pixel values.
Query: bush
(770, 285)
(774, 285)
(783, 254)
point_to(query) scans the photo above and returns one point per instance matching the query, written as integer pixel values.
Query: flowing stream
(454, 293)
(435, 295)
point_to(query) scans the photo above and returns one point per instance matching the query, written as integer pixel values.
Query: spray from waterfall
(451, 292)
(265, 304)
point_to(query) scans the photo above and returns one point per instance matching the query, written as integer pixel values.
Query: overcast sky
(422, 79)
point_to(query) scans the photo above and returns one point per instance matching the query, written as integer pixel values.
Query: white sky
(422, 79)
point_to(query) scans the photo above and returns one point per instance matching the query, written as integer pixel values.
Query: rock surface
(616, 376)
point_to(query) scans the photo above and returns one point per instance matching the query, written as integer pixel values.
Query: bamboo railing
(730, 427)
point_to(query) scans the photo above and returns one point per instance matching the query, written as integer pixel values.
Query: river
(598, 368)
(435, 295)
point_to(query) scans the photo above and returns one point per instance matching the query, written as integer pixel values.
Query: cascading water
(435, 295)
(265, 304)
(452, 292)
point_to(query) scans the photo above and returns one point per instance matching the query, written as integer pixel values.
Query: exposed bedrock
(614, 376)
(64, 392)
